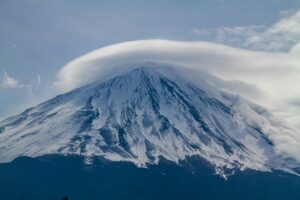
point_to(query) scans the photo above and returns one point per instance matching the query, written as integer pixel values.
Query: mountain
(143, 116)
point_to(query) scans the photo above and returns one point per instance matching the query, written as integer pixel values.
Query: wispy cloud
(8, 82)
(237, 35)
(283, 35)
(201, 31)
(20, 94)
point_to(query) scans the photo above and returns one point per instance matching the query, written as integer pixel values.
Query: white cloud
(7, 82)
(273, 74)
(30, 93)
(237, 35)
(281, 36)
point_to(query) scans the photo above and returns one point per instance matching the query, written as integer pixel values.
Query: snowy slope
(141, 116)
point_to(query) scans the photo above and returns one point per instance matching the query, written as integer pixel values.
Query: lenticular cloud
(266, 78)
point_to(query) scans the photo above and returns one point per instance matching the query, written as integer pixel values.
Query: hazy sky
(38, 37)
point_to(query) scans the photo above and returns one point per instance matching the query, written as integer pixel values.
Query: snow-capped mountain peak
(142, 116)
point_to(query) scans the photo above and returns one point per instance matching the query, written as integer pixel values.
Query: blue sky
(38, 37)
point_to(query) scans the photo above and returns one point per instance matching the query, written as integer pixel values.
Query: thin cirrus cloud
(8, 82)
(281, 36)
(20, 94)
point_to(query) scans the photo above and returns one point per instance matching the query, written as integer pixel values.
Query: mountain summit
(142, 116)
